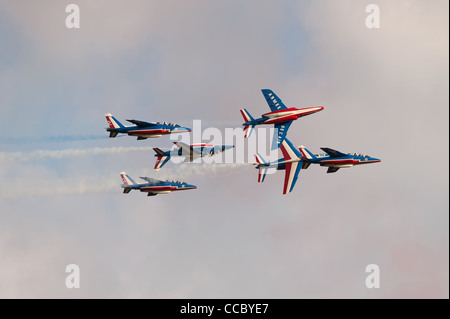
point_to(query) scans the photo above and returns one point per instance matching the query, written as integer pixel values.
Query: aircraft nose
(183, 129)
(375, 160)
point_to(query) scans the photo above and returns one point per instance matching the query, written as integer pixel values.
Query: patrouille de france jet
(190, 152)
(153, 186)
(142, 130)
(279, 115)
(293, 161)
(335, 160)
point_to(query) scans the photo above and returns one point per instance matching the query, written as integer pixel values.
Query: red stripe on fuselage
(281, 119)
(339, 162)
(158, 188)
(281, 111)
(140, 132)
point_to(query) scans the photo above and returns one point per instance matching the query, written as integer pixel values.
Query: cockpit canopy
(178, 182)
(168, 123)
(362, 155)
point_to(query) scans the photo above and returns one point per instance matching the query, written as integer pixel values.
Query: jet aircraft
(335, 160)
(294, 160)
(190, 152)
(142, 130)
(153, 186)
(279, 115)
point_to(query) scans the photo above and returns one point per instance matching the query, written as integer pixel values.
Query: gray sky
(385, 93)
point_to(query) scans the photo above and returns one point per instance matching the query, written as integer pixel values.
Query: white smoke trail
(45, 154)
(59, 187)
(49, 139)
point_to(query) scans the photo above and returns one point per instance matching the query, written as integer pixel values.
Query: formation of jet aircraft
(292, 162)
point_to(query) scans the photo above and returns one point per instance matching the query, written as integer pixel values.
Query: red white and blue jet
(281, 116)
(190, 152)
(294, 160)
(335, 160)
(142, 130)
(153, 186)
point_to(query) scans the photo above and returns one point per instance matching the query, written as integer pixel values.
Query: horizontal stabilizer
(112, 134)
(126, 190)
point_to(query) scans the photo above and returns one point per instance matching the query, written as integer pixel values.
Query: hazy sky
(385, 93)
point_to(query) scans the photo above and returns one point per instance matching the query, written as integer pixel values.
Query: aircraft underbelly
(145, 135)
(336, 165)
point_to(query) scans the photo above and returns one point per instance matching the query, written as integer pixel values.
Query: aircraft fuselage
(281, 116)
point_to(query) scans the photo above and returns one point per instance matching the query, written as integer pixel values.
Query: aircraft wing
(280, 133)
(187, 149)
(141, 123)
(151, 180)
(273, 100)
(333, 153)
(290, 178)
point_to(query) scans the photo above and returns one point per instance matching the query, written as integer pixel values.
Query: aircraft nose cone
(182, 129)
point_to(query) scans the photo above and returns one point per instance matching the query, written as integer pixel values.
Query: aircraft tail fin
(160, 162)
(260, 160)
(263, 167)
(113, 122)
(306, 154)
(262, 174)
(127, 180)
(247, 117)
(248, 129)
